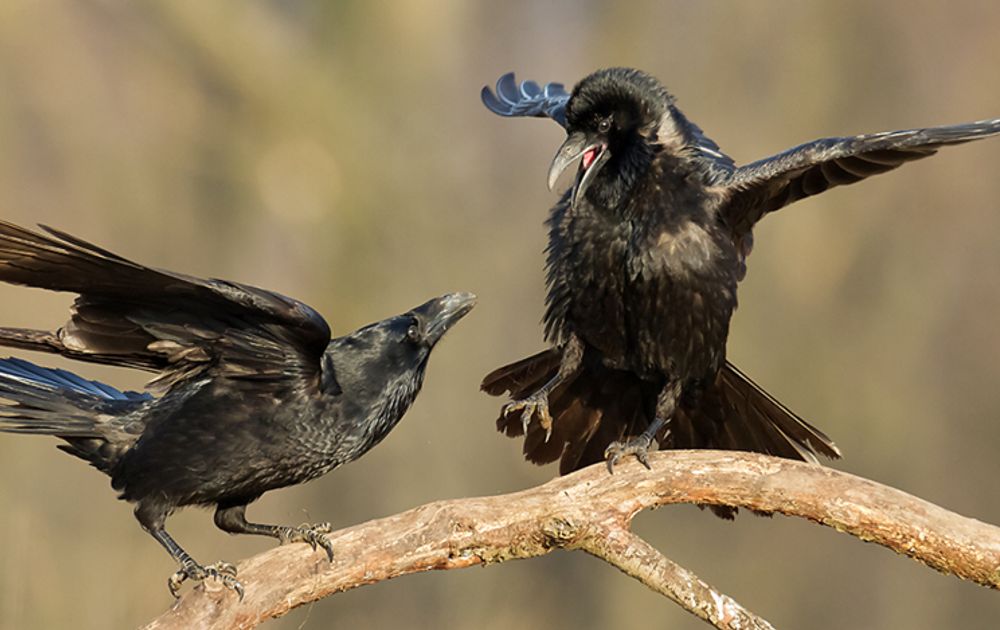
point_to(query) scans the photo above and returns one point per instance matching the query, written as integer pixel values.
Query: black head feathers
(640, 98)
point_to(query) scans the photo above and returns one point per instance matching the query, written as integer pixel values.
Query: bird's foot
(536, 404)
(221, 571)
(314, 535)
(638, 446)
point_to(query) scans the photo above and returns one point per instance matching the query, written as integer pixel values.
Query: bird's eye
(604, 126)
(413, 334)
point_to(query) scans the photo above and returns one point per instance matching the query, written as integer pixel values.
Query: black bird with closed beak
(645, 253)
(255, 394)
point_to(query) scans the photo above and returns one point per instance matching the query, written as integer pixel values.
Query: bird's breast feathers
(684, 250)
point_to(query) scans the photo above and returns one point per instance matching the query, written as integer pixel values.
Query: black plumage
(254, 393)
(645, 253)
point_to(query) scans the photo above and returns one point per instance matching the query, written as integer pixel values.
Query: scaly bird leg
(232, 519)
(152, 518)
(191, 570)
(666, 404)
(537, 404)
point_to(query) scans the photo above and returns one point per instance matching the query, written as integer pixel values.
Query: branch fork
(592, 511)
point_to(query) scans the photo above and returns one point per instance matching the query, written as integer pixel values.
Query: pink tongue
(588, 158)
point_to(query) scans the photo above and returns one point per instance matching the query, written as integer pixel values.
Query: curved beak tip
(462, 300)
(578, 145)
(447, 310)
(554, 173)
(567, 153)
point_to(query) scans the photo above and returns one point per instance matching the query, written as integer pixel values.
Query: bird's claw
(313, 535)
(535, 405)
(637, 446)
(222, 571)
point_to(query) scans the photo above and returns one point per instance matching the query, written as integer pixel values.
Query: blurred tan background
(338, 152)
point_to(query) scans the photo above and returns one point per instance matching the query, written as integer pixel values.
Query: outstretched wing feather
(178, 325)
(809, 169)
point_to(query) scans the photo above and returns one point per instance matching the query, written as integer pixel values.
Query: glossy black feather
(644, 257)
(814, 167)
(526, 99)
(132, 315)
(255, 394)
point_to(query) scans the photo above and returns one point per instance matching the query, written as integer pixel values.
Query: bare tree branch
(590, 510)
(637, 558)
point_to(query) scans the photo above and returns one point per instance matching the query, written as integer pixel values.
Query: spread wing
(809, 169)
(180, 326)
(527, 99)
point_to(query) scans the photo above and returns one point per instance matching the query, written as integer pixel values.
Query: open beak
(444, 312)
(592, 157)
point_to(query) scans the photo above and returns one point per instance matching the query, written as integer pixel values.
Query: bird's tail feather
(600, 405)
(49, 401)
(521, 378)
(760, 423)
(589, 411)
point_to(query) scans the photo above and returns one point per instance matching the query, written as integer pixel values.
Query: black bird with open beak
(603, 134)
(645, 253)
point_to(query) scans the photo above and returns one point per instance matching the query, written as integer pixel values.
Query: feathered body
(652, 295)
(255, 395)
(645, 253)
